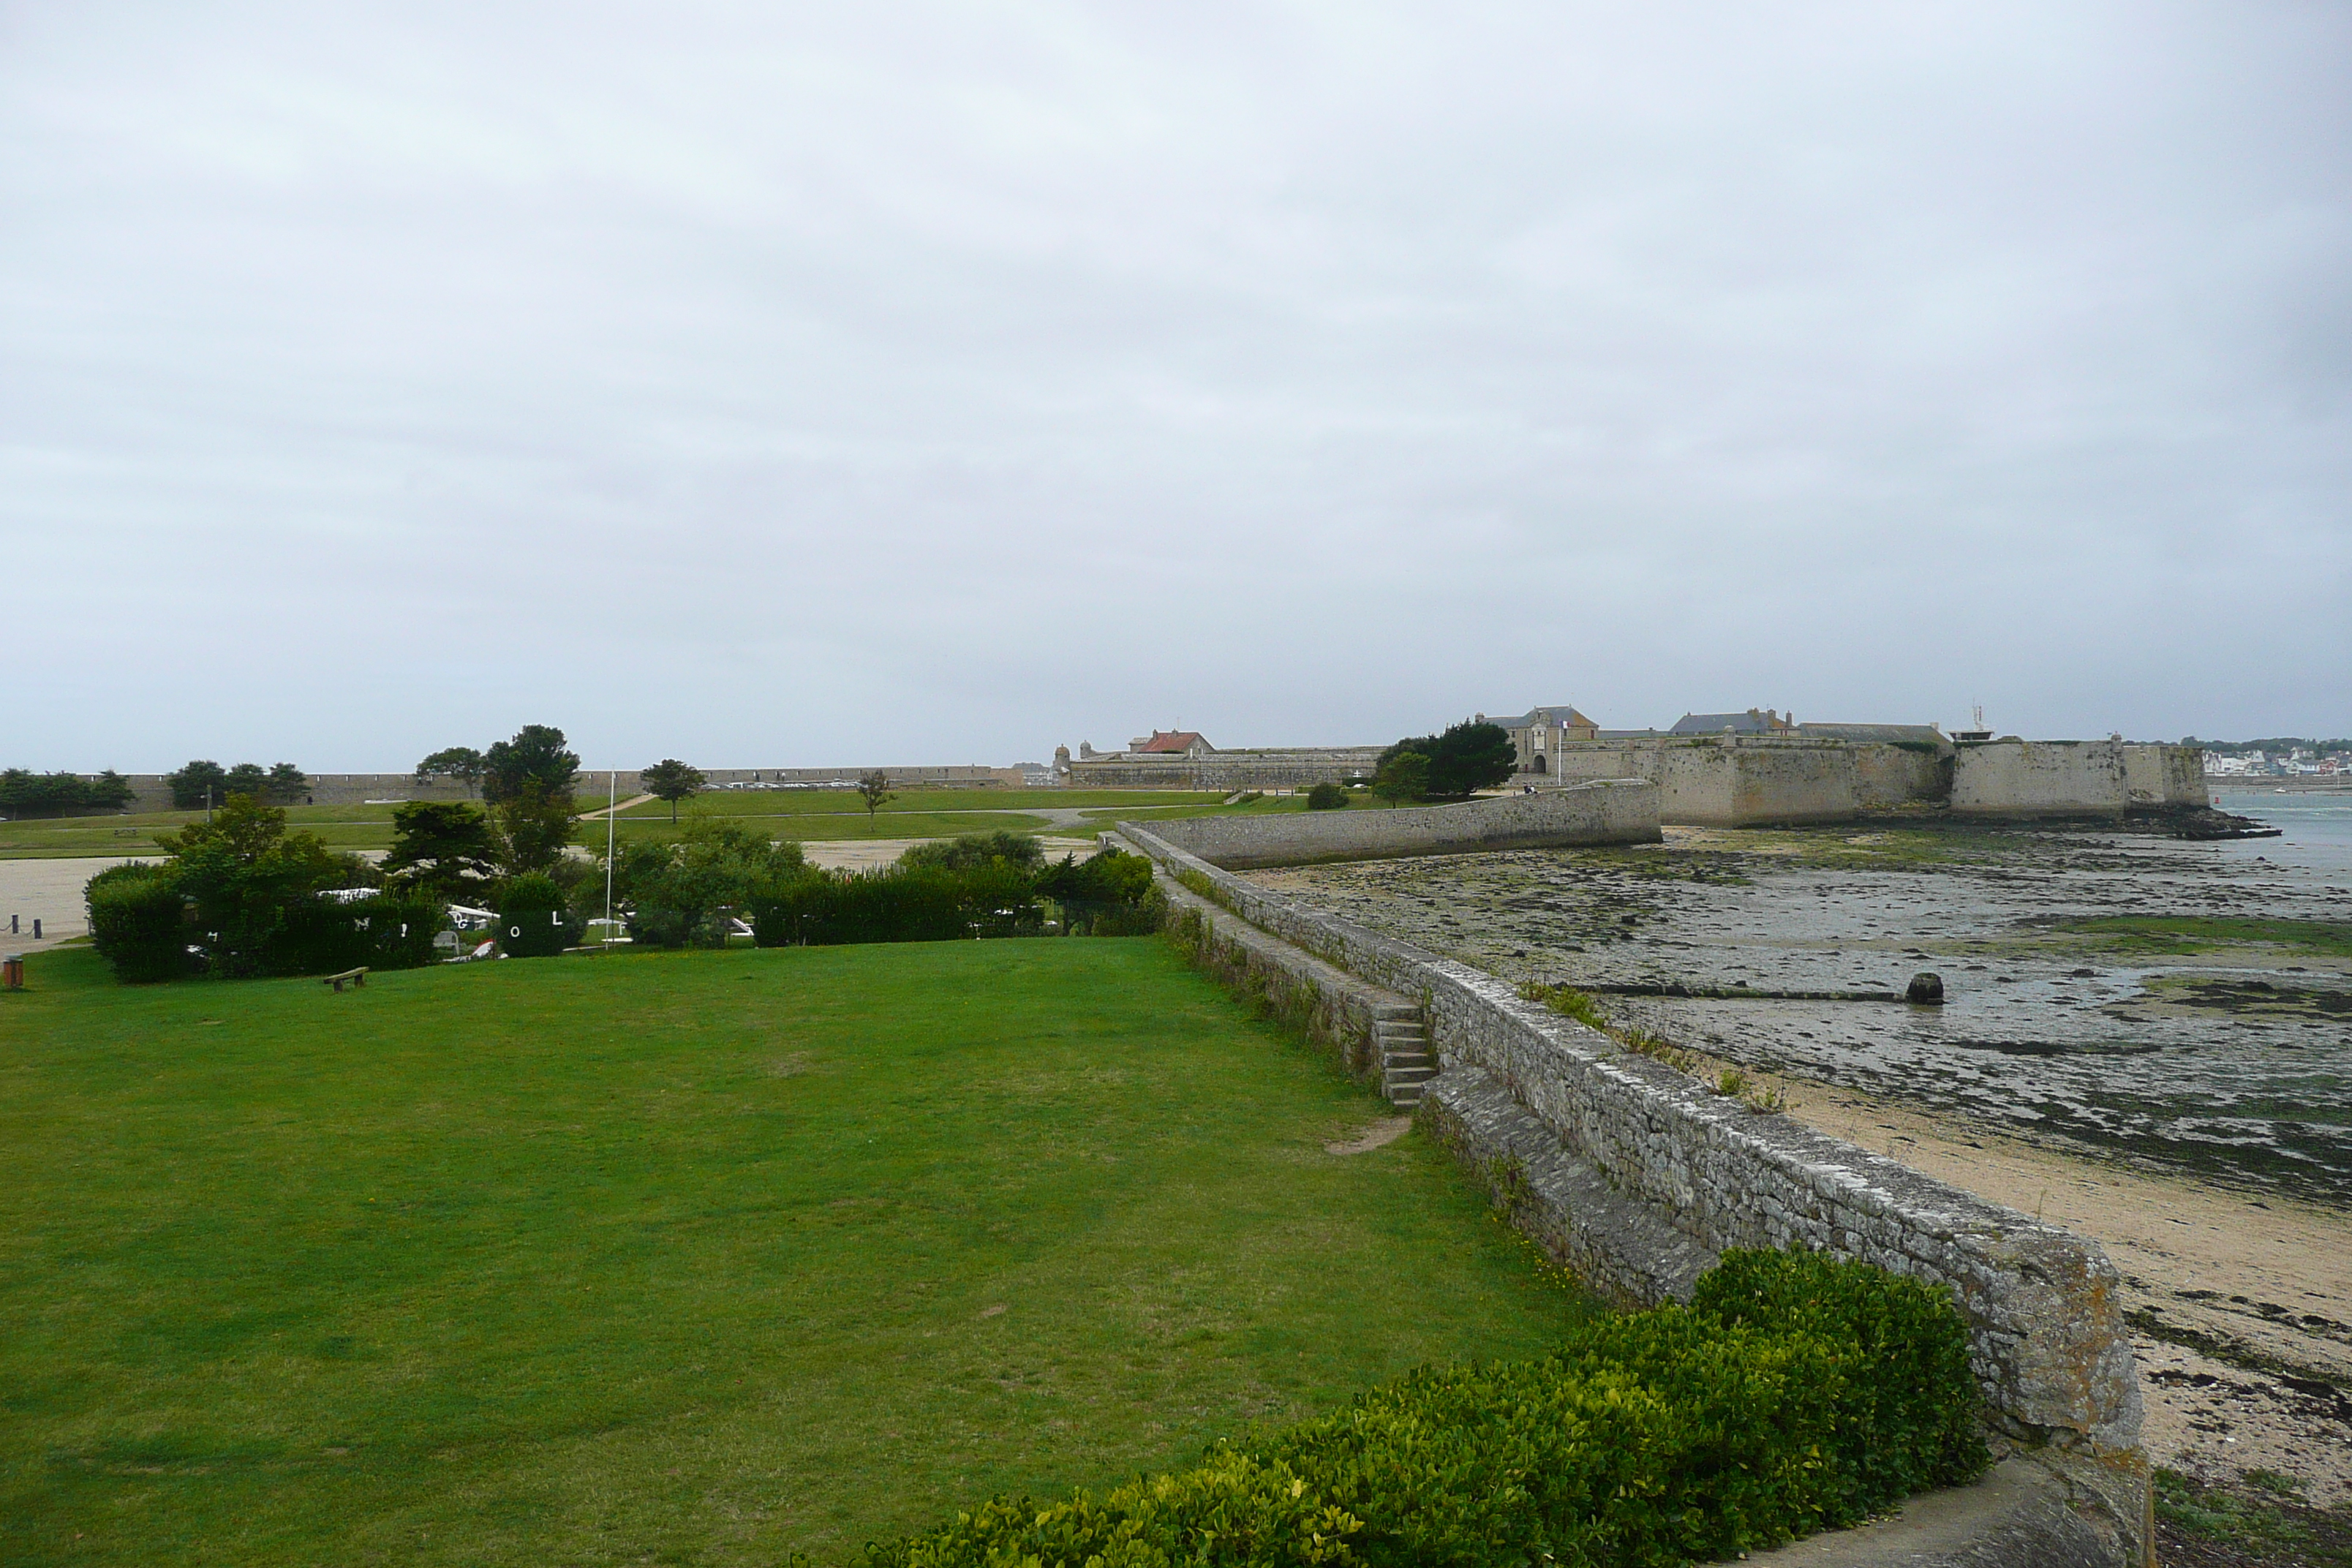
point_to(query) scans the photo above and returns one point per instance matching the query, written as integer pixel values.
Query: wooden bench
(348, 977)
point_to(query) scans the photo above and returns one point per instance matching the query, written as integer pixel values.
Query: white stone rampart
(1269, 767)
(2074, 778)
(1740, 781)
(1606, 811)
(2049, 1344)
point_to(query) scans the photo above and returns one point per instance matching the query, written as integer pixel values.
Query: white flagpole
(612, 803)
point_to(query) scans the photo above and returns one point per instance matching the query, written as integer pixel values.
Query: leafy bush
(1110, 894)
(327, 936)
(138, 922)
(973, 850)
(900, 903)
(978, 886)
(680, 894)
(251, 898)
(1904, 1429)
(535, 919)
(1326, 796)
(1797, 1394)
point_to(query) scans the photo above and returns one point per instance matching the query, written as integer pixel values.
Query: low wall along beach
(1637, 1176)
(1606, 811)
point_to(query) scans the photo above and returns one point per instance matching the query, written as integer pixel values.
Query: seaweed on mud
(2163, 934)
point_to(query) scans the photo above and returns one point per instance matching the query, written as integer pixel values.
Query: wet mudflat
(2176, 1012)
(2185, 1006)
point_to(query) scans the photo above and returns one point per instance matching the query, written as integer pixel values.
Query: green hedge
(142, 923)
(323, 936)
(1795, 1395)
(535, 919)
(138, 922)
(918, 903)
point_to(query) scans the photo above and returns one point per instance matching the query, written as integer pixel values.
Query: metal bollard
(36, 928)
(12, 925)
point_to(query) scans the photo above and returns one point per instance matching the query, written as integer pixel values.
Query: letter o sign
(514, 931)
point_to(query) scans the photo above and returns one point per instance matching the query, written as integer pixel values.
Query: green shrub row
(917, 903)
(974, 886)
(1795, 1393)
(139, 921)
(146, 924)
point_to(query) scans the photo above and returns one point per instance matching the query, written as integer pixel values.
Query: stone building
(1755, 721)
(1538, 733)
(1184, 759)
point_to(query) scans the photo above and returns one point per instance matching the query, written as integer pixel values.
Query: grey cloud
(942, 382)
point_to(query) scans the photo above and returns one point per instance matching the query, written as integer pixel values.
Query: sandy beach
(2262, 1284)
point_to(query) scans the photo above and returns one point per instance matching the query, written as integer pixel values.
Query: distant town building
(1893, 734)
(1170, 743)
(1755, 721)
(1184, 759)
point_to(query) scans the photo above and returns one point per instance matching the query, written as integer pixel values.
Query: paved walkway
(49, 891)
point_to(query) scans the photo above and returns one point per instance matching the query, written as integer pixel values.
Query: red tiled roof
(1171, 740)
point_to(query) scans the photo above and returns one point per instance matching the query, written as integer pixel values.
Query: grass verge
(702, 1258)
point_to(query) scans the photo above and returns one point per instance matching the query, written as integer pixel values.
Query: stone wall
(2074, 778)
(1612, 811)
(1727, 781)
(1651, 1175)
(1269, 768)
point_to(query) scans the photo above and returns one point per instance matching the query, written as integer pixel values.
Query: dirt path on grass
(2242, 1305)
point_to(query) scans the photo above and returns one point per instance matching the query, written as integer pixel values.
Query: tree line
(24, 793)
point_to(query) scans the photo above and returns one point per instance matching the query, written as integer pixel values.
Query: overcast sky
(768, 384)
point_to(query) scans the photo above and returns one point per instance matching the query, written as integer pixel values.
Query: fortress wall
(1743, 780)
(1301, 768)
(2048, 1342)
(1721, 782)
(2074, 778)
(2161, 776)
(2035, 778)
(1608, 811)
(149, 793)
(1724, 786)
(1887, 775)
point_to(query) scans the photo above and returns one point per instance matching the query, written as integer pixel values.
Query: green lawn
(886, 824)
(133, 833)
(847, 803)
(785, 814)
(681, 1259)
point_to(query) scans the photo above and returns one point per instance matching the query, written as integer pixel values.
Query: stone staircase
(1405, 1060)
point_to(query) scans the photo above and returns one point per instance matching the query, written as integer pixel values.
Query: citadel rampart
(2074, 778)
(1261, 768)
(149, 793)
(1637, 1177)
(1734, 781)
(1607, 811)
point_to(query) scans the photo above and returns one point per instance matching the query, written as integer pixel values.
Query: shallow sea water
(2172, 1059)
